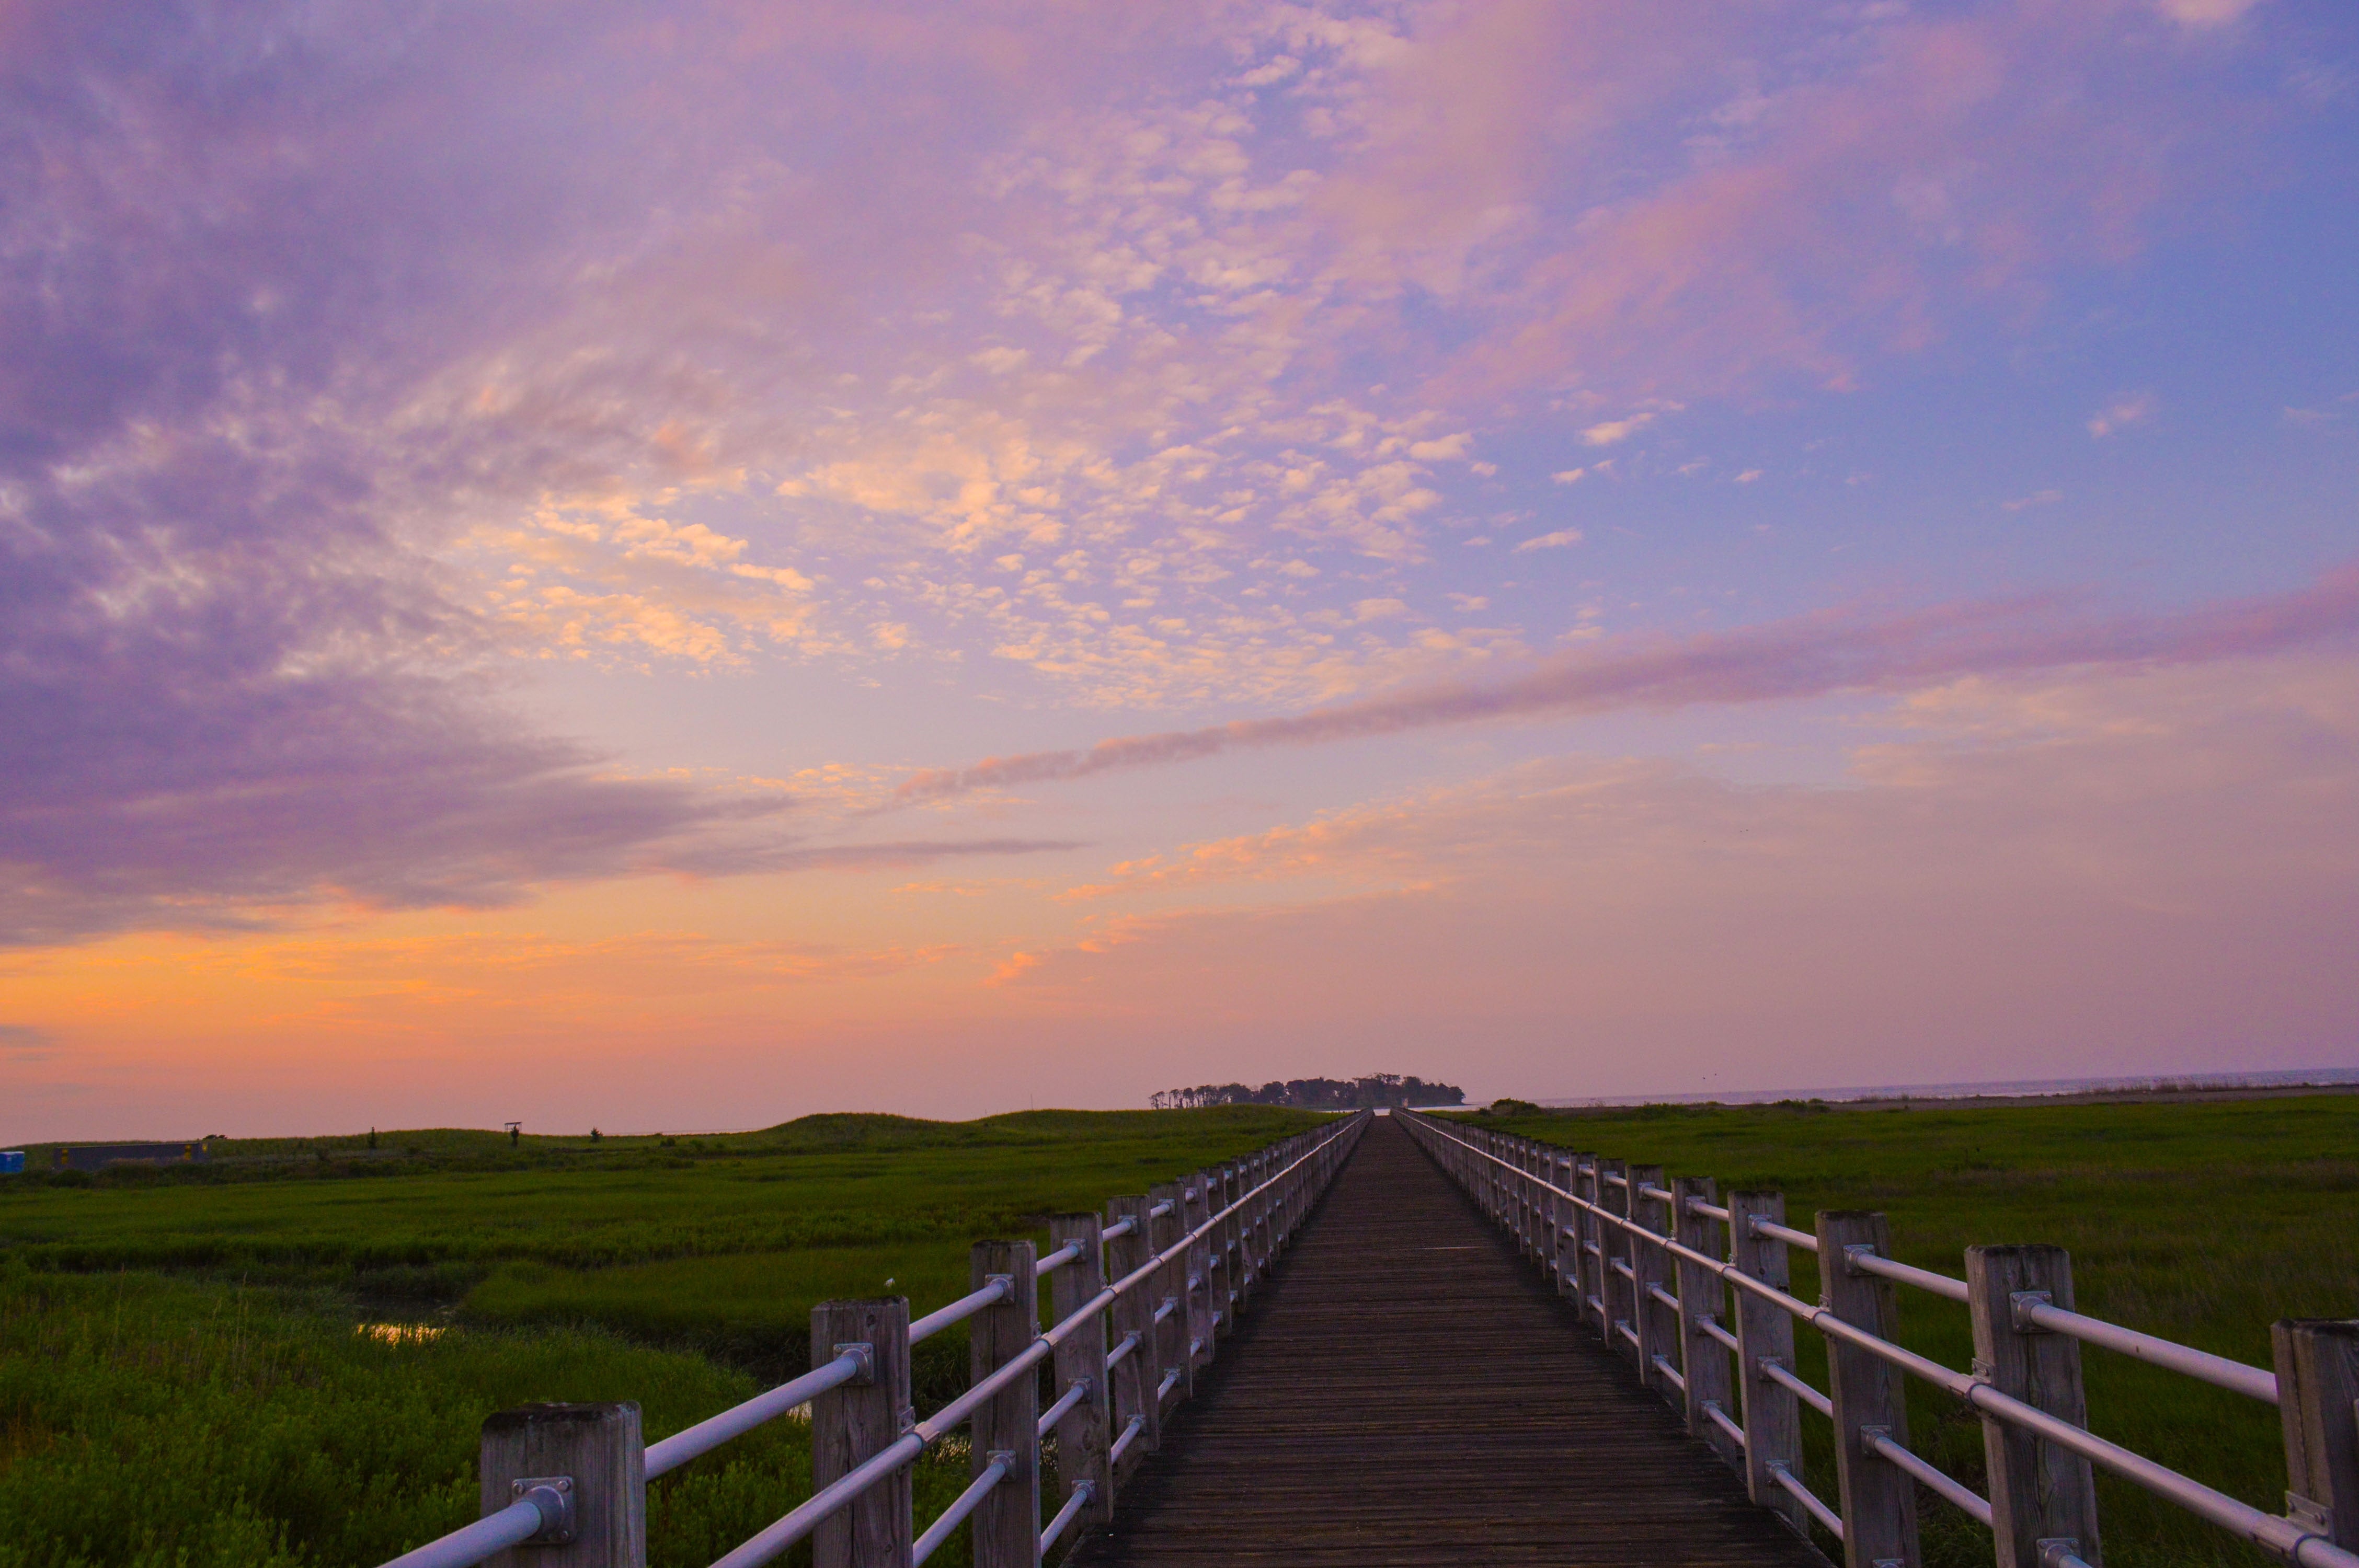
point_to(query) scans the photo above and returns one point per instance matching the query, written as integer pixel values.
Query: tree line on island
(1315, 1094)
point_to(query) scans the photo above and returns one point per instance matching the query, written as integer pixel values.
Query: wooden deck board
(1407, 1391)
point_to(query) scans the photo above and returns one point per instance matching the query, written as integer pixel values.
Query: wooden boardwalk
(1408, 1391)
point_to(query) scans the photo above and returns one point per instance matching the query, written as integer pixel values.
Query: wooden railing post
(853, 1423)
(1765, 1335)
(1172, 1288)
(595, 1450)
(2038, 1492)
(1703, 1299)
(1589, 1247)
(1527, 1198)
(1139, 1374)
(1259, 1236)
(1657, 1323)
(1563, 1250)
(1869, 1394)
(1084, 1433)
(1535, 1203)
(1621, 1304)
(2318, 1400)
(1193, 1213)
(1006, 1523)
(1232, 1252)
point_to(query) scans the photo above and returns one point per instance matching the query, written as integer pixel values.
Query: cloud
(2163, 863)
(2129, 410)
(1807, 656)
(345, 354)
(22, 1043)
(2204, 13)
(1555, 541)
(1614, 430)
(1748, 476)
(1568, 476)
(2037, 498)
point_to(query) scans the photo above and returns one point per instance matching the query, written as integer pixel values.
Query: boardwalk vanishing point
(1402, 1340)
(1409, 1391)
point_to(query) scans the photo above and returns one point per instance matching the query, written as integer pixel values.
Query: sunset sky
(672, 566)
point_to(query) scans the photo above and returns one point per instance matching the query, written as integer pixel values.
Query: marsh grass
(184, 1382)
(2201, 1221)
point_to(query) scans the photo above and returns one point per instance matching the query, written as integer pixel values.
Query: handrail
(2286, 1537)
(709, 1435)
(512, 1526)
(1263, 1209)
(802, 1520)
(2255, 1382)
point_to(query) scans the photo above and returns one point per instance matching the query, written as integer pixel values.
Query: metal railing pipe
(736, 1420)
(1932, 1477)
(2253, 1382)
(1829, 1520)
(1802, 1391)
(1056, 1412)
(1786, 1234)
(955, 1515)
(959, 1311)
(1871, 1262)
(1066, 1515)
(513, 1525)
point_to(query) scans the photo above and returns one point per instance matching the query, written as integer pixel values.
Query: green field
(184, 1382)
(181, 1384)
(2201, 1221)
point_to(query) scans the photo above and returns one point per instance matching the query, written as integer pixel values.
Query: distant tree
(1316, 1094)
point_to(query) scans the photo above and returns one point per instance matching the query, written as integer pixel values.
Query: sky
(671, 565)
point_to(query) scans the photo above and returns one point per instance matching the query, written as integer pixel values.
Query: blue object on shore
(11, 1162)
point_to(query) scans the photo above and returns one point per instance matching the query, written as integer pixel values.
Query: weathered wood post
(1527, 1198)
(1564, 1259)
(1765, 1335)
(1084, 1433)
(1171, 1287)
(1233, 1251)
(591, 1458)
(1658, 1322)
(1195, 1209)
(1137, 1375)
(2318, 1400)
(1006, 1523)
(853, 1422)
(1621, 1302)
(1590, 1246)
(1264, 1240)
(2038, 1492)
(1703, 1299)
(1870, 1395)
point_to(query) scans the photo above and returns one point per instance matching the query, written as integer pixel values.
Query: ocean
(2294, 1078)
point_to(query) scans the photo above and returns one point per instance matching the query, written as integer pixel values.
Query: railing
(1643, 1259)
(1183, 1260)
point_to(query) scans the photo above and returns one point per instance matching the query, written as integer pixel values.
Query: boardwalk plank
(1408, 1391)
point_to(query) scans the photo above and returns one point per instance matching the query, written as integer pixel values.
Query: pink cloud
(2163, 865)
(1810, 655)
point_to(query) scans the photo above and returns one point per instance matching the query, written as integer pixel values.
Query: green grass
(182, 1384)
(2201, 1221)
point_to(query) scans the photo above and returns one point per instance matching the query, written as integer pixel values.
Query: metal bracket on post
(2314, 1517)
(2019, 1304)
(551, 1495)
(2059, 1551)
(865, 1354)
(1852, 1254)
